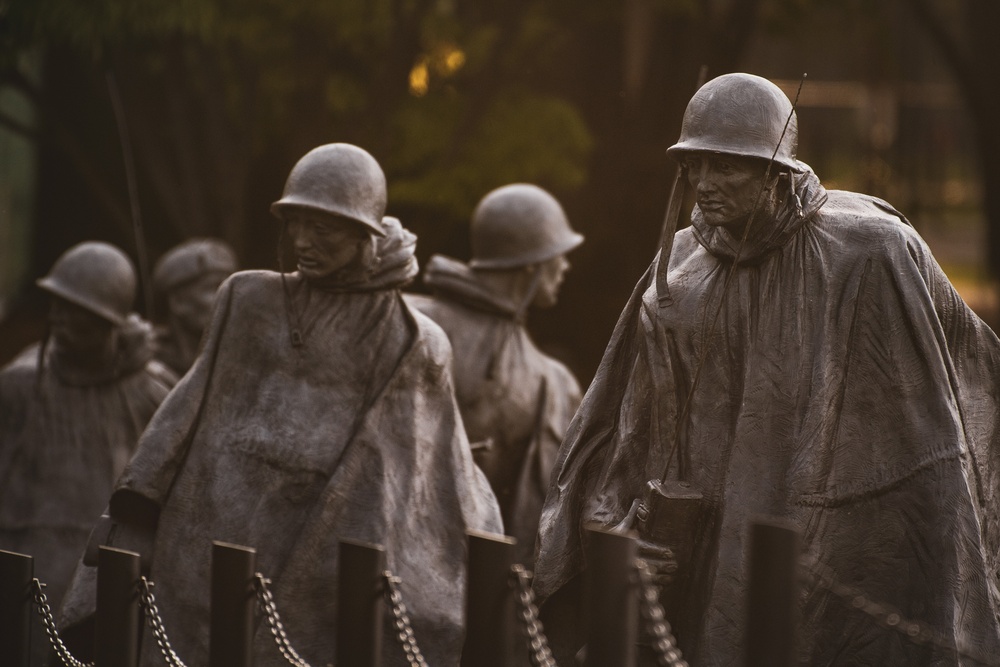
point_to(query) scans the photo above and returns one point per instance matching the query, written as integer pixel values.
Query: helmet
(340, 179)
(96, 276)
(740, 114)
(190, 260)
(517, 225)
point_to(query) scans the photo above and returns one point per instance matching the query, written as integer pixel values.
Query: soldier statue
(187, 279)
(320, 409)
(797, 354)
(516, 401)
(71, 411)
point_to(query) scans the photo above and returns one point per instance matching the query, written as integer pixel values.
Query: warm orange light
(419, 78)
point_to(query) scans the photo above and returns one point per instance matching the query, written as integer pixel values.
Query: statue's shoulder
(867, 222)
(23, 367)
(256, 285)
(427, 332)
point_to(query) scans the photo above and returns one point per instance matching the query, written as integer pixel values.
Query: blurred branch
(18, 127)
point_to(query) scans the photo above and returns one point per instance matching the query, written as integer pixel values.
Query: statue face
(75, 331)
(324, 243)
(552, 273)
(726, 187)
(191, 303)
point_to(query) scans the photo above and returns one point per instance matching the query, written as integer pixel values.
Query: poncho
(353, 434)
(516, 401)
(64, 439)
(846, 388)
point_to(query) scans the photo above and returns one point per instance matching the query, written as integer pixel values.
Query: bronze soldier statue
(187, 279)
(516, 402)
(321, 408)
(813, 363)
(71, 412)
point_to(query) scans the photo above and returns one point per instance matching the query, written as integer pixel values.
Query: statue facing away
(321, 408)
(71, 411)
(516, 402)
(187, 278)
(803, 357)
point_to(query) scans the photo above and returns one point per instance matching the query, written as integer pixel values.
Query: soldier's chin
(311, 271)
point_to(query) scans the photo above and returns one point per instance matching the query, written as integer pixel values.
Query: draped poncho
(516, 401)
(64, 439)
(289, 448)
(844, 386)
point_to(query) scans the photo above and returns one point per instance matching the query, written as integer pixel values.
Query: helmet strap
(291, 313)
(521, 314)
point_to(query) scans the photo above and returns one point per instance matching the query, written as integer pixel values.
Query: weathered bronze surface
(320, 409)
(188, 277)
(516, 402)
(71, 411)
(815, 364)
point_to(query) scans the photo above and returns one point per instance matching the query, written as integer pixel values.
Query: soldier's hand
(661, 561)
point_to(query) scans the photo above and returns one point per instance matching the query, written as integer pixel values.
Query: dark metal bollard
(233, 603)
(489, 607)
(16, 574)
(118, 614)
(610, 585)
(360, 591)
(772, 595)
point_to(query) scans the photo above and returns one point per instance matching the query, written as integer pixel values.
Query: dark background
(220, 98)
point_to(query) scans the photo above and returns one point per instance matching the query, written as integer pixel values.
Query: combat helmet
(191, 259)
(517, 225)
(96, 276)
(740, 114)
(341, 179)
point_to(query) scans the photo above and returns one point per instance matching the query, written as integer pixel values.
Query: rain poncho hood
(844, 387)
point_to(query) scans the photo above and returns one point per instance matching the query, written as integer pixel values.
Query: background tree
(453, 97)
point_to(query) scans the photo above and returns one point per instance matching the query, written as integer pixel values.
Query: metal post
(16, 573)
(118, 614)
(610, 585)
(360, 590)
(489, 602)
(233, 603)
(772, 595)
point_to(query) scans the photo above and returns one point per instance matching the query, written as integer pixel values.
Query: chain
(148, 601)
(266, 599)
(914, 631)
(538, 644)
(668, 654)
(404, 629)
(45, 611)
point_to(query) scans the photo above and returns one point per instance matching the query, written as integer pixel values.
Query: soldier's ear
(774, 178)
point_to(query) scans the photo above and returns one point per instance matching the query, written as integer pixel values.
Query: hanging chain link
(266, 600)
(538, 644)
(148, 601)
(45, 611)
(668, 654)
(404, 628)
(823, 576)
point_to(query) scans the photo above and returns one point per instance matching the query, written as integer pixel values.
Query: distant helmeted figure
(71, 411)
(187, 279)
(516, 401)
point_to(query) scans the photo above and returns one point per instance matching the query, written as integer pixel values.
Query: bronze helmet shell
(96, 276)
(340, 179)
(740, 114)
(517, 225)
(190, 260)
